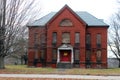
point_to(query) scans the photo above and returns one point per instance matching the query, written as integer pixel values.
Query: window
(42, 55)
(36, 38)
(42, 38)
(98, 40)
(98, 55)
(88, 55)
(77, 54)
(66, 37)
(66, 22)
(77, 37)
(54, 37)
(54, 54)
(36, 54)
(88, 41)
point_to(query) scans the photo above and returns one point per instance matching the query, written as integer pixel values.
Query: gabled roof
(89, 19)
(42, 21)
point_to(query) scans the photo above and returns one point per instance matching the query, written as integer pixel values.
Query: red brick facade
(41, 54)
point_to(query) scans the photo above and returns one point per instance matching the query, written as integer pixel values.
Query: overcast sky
(102, 9)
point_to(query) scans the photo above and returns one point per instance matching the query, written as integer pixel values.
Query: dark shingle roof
(89, 19)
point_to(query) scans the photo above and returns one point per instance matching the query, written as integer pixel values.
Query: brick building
(67, 39)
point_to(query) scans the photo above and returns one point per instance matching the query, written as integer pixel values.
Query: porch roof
(65, 47)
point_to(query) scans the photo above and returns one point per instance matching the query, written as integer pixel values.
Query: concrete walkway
(61, 76)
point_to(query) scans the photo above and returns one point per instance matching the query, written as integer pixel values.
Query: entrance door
(65, 55)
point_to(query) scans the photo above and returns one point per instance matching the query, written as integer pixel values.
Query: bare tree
(14, 14)
(114, 36)
(2, 32)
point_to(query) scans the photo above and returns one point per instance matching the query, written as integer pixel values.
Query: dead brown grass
(23, 69)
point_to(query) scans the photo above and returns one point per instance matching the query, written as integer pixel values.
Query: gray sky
(99, 8)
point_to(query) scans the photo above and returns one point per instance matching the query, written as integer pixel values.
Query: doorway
(65, 55)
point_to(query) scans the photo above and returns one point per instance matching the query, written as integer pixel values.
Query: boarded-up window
(54, 37)
(77, 37)
(99, 55)
(66, 22)
(77, 54)
(66, 37)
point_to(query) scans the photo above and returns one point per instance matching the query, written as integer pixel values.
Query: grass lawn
(23, 69)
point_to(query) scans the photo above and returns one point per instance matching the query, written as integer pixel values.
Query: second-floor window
(88, 41)
(66, 37)
(77, 37)
(43, 38)
(36, 39)
(98, 37)
(54, 37)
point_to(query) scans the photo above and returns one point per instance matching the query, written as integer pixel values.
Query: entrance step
(64, 65)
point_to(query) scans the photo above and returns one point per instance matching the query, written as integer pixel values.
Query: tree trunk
(119, 63)
(2, 66)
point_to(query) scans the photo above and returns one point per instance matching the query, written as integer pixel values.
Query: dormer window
(66, 22)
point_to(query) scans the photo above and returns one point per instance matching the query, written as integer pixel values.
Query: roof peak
(89, 19)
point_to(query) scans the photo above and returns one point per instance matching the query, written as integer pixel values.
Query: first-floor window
(36, 54)
(88, 55)
(77, 55)
(42, 55)
(98, 55)
(54, 54)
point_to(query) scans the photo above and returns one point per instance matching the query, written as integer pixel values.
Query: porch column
(58, 56)
(72, 56)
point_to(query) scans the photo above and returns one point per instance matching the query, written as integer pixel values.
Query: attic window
(66, 22)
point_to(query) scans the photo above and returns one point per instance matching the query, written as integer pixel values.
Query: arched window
(66, 22)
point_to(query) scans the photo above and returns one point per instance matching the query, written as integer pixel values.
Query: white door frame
(65, 47)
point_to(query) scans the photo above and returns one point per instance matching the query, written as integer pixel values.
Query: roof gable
(87, 18)
(66, 7)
